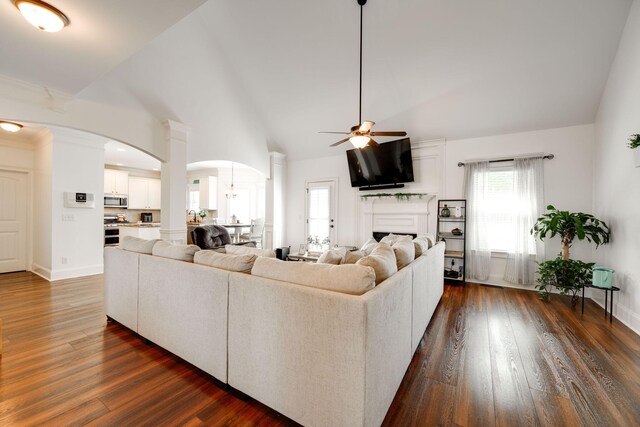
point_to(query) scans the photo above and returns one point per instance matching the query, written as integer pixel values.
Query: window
(194, 197)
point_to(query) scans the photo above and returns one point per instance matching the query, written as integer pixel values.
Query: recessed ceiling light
(119, 164)
(121, 149)
(10, 126)
(156, 169)
(42, 15)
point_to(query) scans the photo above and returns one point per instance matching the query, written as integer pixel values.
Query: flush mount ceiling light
(360, 135)
(42, 15)
(10, 126)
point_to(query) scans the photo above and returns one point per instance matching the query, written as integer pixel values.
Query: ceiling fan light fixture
(359, 141)
(42, 15)
(10, 126)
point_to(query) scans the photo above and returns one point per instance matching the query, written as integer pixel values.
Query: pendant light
(230, 194)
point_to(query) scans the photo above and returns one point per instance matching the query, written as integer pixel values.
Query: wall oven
(111, 236)
(116, 201)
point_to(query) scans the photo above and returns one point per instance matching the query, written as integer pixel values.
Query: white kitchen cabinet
(209, 192)
(116, 182)
(144, 193)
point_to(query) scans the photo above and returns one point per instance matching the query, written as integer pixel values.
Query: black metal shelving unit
(455, 251)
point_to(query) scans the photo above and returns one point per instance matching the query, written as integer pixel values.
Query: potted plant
(202, 214)
(634, 143)
(564, 273)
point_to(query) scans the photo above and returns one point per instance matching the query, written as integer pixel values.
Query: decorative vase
(445, 212)
(636, 156)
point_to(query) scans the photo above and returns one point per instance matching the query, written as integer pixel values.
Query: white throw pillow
(333, 256)
(165, 249)
(242, 249)
(368, 246)
(429, 238)
(135, 244)
(240, 263)
(383, 261)
(404, 251)
(348, 279)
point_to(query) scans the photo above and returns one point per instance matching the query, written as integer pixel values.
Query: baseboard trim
(68, 273)
(41, 271)
(623, 315)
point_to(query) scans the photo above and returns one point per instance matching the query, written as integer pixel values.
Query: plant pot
(636, 156)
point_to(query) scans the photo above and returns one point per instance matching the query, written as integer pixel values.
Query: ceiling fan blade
(341, 133)
(372, 143)
(389, 133)
(339, 142)
(366, 126)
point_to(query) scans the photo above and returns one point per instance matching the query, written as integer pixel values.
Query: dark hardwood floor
(490, 356)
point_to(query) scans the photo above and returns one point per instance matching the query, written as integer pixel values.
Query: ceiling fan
(361, 135)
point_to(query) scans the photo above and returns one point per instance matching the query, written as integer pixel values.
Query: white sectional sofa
(320, 357)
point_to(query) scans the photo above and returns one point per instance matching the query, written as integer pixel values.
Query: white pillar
(173, 226)
(274, 200)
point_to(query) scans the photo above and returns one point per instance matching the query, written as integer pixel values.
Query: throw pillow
(420, 245)
(166, 249)
(333, 256)
(352, 257)
(348, 279)
(239, 263)
(404, 251)
(368, 246)
(429, 238)
(135, 244)
(383, 261)
(243, 249)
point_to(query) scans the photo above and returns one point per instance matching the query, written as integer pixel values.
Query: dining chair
(255, 232)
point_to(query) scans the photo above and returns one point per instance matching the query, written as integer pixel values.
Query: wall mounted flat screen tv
(387, 164)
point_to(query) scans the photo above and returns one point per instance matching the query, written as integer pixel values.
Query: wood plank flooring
(490, 356)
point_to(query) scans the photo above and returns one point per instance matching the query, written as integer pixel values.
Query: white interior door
(321, 211)
(13, 221)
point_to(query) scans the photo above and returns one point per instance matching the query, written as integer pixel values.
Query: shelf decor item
(634, 144)
(452, 230)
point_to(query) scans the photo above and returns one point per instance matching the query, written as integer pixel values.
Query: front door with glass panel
(321, 225)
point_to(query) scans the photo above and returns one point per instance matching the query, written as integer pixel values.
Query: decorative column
(274, 200)
(173, 226)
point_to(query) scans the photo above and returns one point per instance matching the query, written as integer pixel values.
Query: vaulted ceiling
(276, 72)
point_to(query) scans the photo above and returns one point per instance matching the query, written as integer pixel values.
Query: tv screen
(388, 163)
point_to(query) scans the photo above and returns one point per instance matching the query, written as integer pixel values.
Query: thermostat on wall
(78, 200)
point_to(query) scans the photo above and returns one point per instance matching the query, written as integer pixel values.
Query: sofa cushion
(166, 249)
(404, 250)
(420, 246)
(348, 279)
(352, 257)
(429, 238)
(368, 246)
(241, 263)
(333, 256)
(383, 261)
(135, 244)
(243, 249)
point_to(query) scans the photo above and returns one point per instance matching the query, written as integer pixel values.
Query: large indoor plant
(564, 273)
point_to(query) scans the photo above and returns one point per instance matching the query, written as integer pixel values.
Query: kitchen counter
(140, 224)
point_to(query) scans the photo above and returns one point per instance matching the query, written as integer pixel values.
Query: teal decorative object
(603, 277)
(445, 212)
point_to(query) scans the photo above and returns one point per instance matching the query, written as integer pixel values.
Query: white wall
(42, 175)
(616, 195)
(567, 177)
(77, 166)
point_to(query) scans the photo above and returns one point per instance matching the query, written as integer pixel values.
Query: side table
(606, 299)
(305, 258)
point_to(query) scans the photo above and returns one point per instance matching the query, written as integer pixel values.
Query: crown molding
(20, 90)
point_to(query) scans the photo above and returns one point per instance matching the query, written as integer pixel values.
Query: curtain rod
(549, 157)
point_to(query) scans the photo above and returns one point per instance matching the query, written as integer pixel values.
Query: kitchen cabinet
(209, 192)
(116, 182)
(147, 233)
(144, 193)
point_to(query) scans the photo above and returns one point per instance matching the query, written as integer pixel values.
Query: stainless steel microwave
(116, 201)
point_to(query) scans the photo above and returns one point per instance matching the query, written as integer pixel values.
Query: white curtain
(476, 189)
(528, 206)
